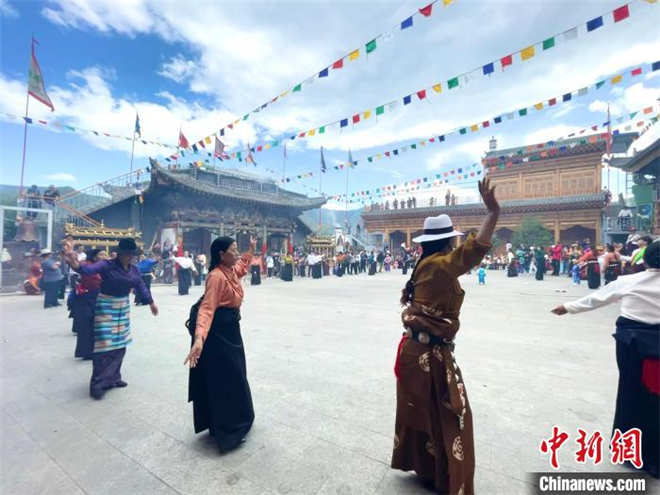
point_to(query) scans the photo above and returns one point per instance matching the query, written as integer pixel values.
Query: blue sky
(203, 64)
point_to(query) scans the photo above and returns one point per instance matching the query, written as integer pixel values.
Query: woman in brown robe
(434, 434)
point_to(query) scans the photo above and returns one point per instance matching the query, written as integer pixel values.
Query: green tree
(531, 232)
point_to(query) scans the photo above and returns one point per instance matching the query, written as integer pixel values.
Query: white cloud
(61, 177)
(549, 134)
(7, 10)
(631, 99)
(178, 69)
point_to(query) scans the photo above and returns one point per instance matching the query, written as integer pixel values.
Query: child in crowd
(481, 273)
(575, 270)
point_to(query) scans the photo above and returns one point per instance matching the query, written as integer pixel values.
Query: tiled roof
(279, 197)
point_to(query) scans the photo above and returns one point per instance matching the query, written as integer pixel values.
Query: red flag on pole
(183, 142)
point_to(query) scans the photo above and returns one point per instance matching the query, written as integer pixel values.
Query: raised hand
(253, 243)
(488, 195)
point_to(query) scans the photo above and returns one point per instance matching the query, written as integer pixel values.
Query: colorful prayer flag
(621, 13)
(407, 23)
(594, 24)
(549, 43)
(36, 87)
(371, 46)
(505, 61)
(354, 54)
(452, 83)
(426, 11)
(437, 88)
(527, 53)
(183, 142)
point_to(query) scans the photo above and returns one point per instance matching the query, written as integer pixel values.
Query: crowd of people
(411, 202)
(434, 422)
(580, 261)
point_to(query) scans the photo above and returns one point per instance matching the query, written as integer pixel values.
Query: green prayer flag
(370, 159)
(245, 117)
(380, 110)
(275, 143)
(549, 43)
(322, 130)
(371, 46)
(238, 155)
(462, 131)
(297, 88)
(599, 84)
(452, 83)
(522, 112)
(413, 146)
(632, 115)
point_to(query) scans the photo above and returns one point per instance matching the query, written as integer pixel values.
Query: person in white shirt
(270, 264)
(637, 351)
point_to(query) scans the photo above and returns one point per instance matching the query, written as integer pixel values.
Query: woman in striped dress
(112, 328)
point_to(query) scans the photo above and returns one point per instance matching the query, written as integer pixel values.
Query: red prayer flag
(621, 13)
(432, 140)
(421, 94)
(338, 64)
(231, 126)
(426, 11)
(485, 124)
(183, 142)
(259, 148)
(508, 60)
(387, 154)
(553, 101)
(636, 72)
(301, 135)
(356, 118)
(201, 143)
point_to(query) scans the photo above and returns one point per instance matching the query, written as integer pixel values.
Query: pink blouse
(223, 289)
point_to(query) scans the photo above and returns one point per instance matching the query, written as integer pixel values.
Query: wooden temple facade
(558, 183)
(190, 207)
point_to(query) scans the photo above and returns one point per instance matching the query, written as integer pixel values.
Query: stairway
(76, 206)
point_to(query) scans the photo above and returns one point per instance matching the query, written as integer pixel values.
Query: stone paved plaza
(320, 356)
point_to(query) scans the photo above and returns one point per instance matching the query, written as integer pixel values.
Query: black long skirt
(287, 273)
(218, 385)
(317, 270)
(184, 281)
(593, 274)
(256, 275)
(636, 406)
(83, 324)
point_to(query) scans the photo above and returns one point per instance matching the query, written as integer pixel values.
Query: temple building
(559, 183)
(190, 207)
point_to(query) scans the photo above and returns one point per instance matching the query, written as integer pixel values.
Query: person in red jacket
(555, 255)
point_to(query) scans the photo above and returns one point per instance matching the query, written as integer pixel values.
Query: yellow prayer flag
(353, 55)
(267, 146)
(312, 132)
(207, 139)
(446, 3)
(616, 79)
(527, 53)
(474, 128)
(437, 88)
(377, 156)
(284, 94)
(367, 114)
(539, 106)
(236, 122)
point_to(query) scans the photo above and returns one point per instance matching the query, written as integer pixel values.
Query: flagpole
(27, 106)
(346, 199)
(320, 191)
(284, 168)
(133, 149)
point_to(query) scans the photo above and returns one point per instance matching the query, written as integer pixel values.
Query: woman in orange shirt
(218, 386)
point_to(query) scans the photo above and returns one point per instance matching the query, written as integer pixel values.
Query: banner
(526, 53)
(501, 118)
(368, 48)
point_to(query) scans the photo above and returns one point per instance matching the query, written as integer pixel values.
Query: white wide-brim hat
(436, 228)
(44, 252)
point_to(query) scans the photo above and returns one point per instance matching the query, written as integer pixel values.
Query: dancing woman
(637, 339)
(218, 386)
(434, 434)
(112, 323)
(84, 301)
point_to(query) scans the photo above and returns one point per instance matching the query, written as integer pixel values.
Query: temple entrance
(198, 240)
